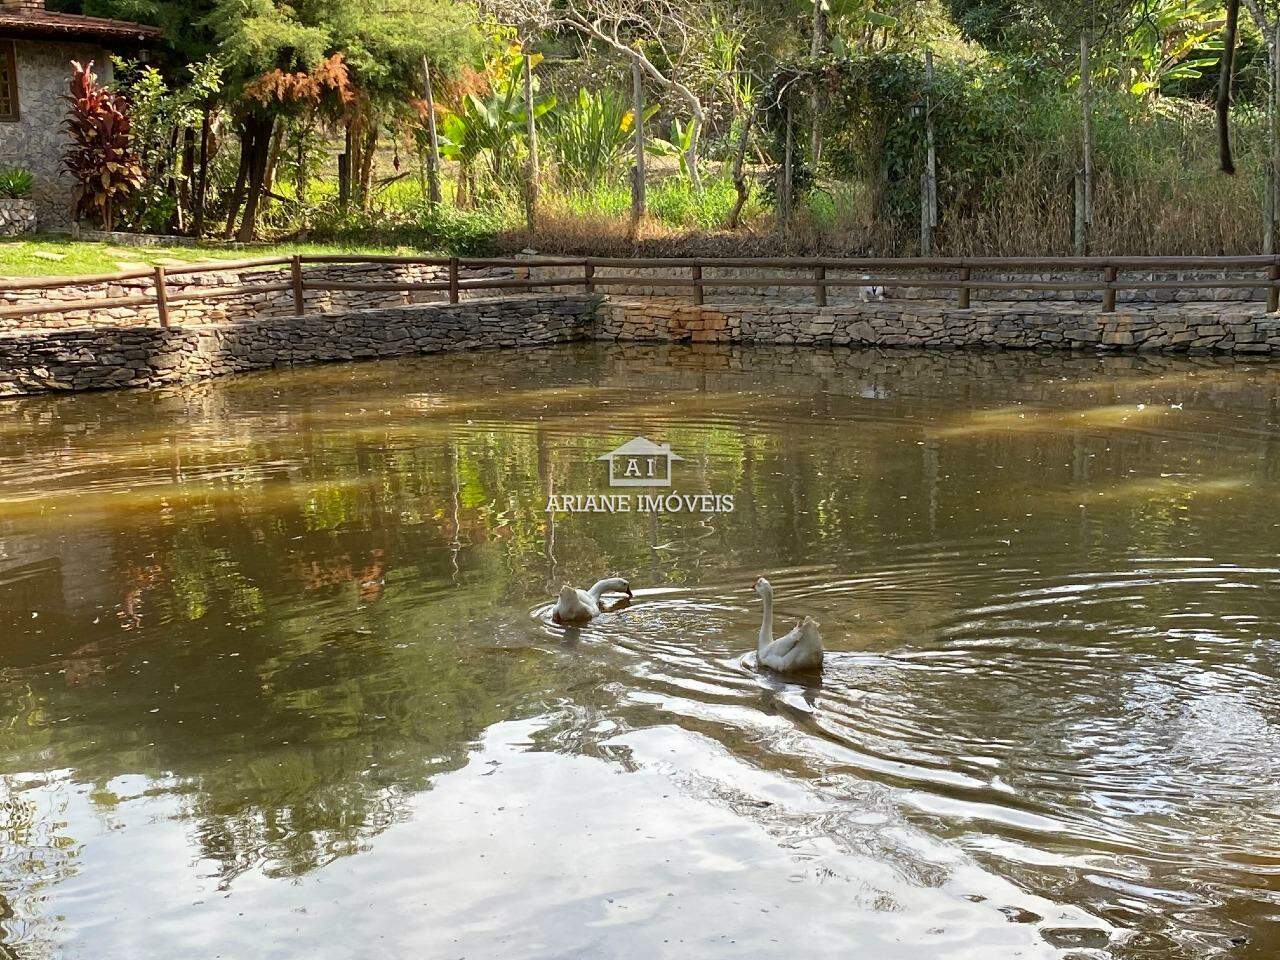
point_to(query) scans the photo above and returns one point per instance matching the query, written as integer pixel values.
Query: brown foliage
(330, 80)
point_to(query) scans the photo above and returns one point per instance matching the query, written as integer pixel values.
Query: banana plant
(493, 127)
(1173, 40)
(676, 146)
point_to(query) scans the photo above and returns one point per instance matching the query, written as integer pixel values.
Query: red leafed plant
(100, 157)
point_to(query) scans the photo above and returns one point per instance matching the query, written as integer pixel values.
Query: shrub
(15, 183)
(423, 225)
(100, 157)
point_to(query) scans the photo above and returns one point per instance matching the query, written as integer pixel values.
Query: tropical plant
(591, 135)
(15, 183)
(1173, 41)
(101, 156)
(494, 126)
(678, 145)
(161, 114)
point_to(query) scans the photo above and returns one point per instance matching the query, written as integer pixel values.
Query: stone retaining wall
(17, 217)
(245, 306)
(93, 358)
(1186, 328)
(648, 286)
(99, 357)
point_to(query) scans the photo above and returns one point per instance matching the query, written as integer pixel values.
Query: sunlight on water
(280, 678)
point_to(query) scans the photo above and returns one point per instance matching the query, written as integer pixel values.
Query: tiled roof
(45, 25)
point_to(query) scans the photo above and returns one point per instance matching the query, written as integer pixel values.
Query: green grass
(671, 200)
(45, 255)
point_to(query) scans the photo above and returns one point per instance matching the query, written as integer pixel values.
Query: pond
(278, 679)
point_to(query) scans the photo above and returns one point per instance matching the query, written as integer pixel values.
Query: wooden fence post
(453, 279)
(1109, 293)
(295, 271)
(1273, 291)
(162, 297)
(697, 284)
(964, 290)
(820, 285)
(589, 272)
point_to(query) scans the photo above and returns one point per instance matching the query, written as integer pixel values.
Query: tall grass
(671, 201)
(1157, 190)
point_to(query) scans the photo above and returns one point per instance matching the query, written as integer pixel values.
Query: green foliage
(422, 225)
(15, 183)
(158, 109)
(1173, 42)
(676, 147)
(672, 201)
(494, 127)
(591, 136)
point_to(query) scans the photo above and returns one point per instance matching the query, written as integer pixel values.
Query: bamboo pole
(433, 141)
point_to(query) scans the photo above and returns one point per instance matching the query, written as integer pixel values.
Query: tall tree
(658, 37)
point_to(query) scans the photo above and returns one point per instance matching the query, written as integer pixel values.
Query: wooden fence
(1110, 277)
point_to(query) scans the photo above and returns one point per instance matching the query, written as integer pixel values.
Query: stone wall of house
(1181, 327)
(244, 306)
(37, 142)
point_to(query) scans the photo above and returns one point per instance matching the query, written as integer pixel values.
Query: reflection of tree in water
(324, 597)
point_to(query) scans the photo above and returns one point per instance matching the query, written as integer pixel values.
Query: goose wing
(784, 644)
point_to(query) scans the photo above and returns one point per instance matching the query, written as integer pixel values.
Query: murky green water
(276, 680)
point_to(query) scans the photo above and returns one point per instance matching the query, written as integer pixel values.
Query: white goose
(801, 649)
(579, 606)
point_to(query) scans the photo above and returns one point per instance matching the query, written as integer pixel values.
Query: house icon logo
(640, 463)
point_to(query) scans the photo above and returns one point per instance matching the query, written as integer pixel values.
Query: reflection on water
(275, 681)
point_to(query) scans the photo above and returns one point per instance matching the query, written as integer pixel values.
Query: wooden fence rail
(1112, 274)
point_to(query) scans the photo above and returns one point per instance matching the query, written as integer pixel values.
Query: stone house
(36, 50)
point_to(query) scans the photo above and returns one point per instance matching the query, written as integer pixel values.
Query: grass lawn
(47, 255)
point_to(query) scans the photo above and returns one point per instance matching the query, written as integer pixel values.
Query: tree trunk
(242, 179)
(784, 188)
(433, 141)
(187, 175)
(273, 159)
(367, 150)
(929, 210)
(1227, 68)
(1086, 147)
(740, 185)
(817, 47)
(691, 155)
(257, 176)
(637, 169)
(531, 187)
(202, 177)
(344, 168)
